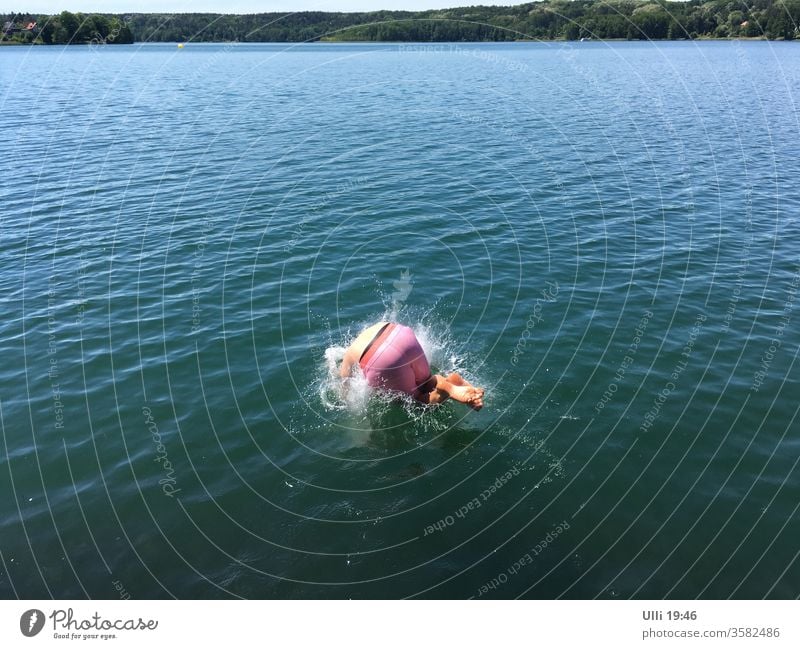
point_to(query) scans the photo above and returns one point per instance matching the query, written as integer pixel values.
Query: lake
(603, 235)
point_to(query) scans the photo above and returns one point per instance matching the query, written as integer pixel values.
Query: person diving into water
(391, 358)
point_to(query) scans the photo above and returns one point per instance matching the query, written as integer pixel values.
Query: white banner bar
(400, 625)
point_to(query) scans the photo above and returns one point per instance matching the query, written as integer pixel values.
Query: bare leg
(460, 390)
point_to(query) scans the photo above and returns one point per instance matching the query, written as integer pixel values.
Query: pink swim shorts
(394, 360)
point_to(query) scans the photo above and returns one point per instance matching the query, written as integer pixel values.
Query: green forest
(546, 20)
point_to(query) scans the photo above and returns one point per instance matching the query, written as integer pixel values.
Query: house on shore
(11, 27)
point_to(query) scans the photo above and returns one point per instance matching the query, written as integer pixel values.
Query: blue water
(604, 236)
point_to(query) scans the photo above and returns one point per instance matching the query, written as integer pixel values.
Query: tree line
(65, 28)
(547, 20)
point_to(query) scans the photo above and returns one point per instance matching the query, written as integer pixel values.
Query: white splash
(354, 395)
(340, 395)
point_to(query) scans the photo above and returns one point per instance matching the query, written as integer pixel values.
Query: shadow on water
(401, 427)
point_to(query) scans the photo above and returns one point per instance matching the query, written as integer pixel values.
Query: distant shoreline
(541, 21)
(427, 43)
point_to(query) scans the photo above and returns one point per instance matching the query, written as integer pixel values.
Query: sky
(227, 6)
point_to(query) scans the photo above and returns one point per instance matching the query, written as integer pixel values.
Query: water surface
(603, 235)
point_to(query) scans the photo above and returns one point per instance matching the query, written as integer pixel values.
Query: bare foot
(466, 394)
(476, 401)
